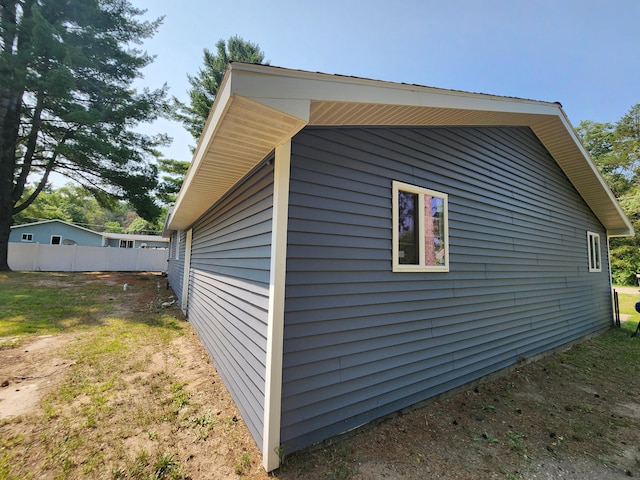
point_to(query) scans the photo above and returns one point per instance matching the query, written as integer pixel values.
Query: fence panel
(79, 258)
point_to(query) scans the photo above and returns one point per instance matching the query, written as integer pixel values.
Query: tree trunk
(10, 102)
(5, 230)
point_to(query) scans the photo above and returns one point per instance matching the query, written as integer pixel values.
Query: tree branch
(21, 181)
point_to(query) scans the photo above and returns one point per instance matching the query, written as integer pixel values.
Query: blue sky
(584, 54)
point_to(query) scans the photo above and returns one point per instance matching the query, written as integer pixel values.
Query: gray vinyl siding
(175, 269)
(229, 295)
(362, 341)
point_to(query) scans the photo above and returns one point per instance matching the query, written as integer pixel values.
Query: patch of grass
(36, 303)
(487, 407)
(90, 407)
(166, 467)
(179, 395)
(627, 302)
(243, 465)
(340, 461)
(516, 441)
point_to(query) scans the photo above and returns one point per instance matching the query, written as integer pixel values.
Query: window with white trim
(27, 237)
(56, 239)
(126, 243)
(420, 229)
(178, 234)
(593, 244)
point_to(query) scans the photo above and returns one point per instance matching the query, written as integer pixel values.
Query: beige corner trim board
(187, 271)
(275, 328)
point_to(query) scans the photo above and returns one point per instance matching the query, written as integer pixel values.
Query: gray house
(55, 232)
(59, 232)
(346, 247)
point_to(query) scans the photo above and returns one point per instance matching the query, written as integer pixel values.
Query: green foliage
(172, 174)
(616, 150)
(75, 204)
(205, 84)
(67, 69)
(144, 227)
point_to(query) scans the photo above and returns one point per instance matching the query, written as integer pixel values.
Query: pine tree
(204, 85)
(67, 103)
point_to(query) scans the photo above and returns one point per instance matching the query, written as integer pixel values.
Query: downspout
(271, 451)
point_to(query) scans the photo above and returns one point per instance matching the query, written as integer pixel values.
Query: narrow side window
(420, 229)
(593, 244)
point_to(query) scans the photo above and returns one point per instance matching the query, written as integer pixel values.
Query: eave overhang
(259, 107)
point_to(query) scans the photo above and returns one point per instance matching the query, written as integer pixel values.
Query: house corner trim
(187, 271)
(275, 328)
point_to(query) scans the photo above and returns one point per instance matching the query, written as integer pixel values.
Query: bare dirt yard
(99, 381)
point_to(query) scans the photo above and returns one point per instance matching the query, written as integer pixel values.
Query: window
(420, 229)
(126, 243)
(27, 237)
(593, 241)
(56, 239)
(178, 234)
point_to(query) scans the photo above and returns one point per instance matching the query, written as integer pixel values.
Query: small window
(27, 237)
(420, 229)
(126, 243)
(593, 240)
(56, 239)
(178, 233)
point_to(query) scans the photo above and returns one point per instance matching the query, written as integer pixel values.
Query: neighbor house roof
(13, 227)
(115, 236)
(258, 107)
(135, 236)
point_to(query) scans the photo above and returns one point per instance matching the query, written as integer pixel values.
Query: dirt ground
(552, 419)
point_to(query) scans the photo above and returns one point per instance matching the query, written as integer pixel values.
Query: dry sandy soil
(552, 419)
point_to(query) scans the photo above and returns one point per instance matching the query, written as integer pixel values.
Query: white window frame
(595, 252)
(27, 237)
(178, 234)
(127, 244)
(59, 237)
(420, 266)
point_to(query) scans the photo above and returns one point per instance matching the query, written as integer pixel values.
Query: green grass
(36, 303)
(627, 302)
(105, 395)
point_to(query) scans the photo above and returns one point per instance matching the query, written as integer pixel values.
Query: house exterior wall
(229, 290)
(361, 341)
(175, 264)
(42, 233)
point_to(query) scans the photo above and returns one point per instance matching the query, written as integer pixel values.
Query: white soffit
(262, 106)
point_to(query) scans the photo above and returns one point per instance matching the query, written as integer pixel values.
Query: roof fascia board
(264, 84)
(219, 108)
(592, 165)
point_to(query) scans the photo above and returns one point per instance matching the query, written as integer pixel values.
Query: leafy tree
(67, 103)
(616, 151)
(204, 85)
(143, 227)
(49, 205)
(172, 173)
(113, 227)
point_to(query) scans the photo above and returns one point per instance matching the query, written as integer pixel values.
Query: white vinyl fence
(77, 258)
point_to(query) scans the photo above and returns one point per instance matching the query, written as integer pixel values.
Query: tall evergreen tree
(67, 104)
(616, 151)
(204, 85)
(172, 173)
